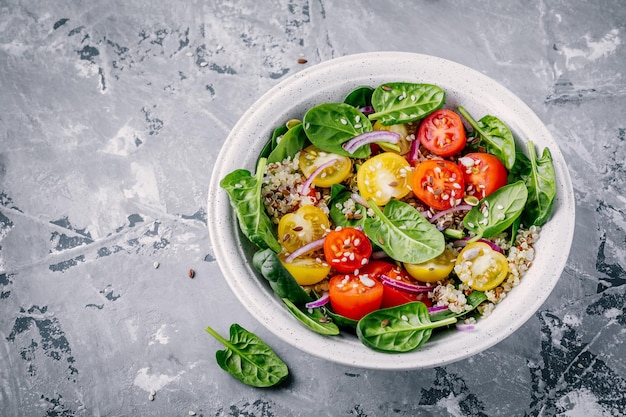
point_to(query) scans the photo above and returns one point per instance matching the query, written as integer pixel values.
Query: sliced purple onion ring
(414, 152)
(462, 242)
(309, 247)
(367, 110)
(307, 184)
(404, 286)
(464, 327)
(437, 309)
(322, 301)
(461, 207)
(370, 137)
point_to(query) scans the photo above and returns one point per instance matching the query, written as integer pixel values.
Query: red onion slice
(461, 207)
(307, 184)
(414, 152)
(309, 247)
(463, 242)
(322, 301)
(404, 286)
(367, 110)
(370, 137)
(464, 327)
(437, 309)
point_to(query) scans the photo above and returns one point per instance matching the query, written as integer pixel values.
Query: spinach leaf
(360, 97)
(398, 329)
(271, 144)
(330, 125)
(244, 191)
(282, 282)
(342, 321)
(473, 299)
(405, 102)
(339, 218)
(290, 143)
(403, 233)
(540, 179)
(315, 319)
(249, 359)
(495, 136)
(496, 212)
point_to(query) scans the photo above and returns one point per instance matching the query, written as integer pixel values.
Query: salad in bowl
(393, 218)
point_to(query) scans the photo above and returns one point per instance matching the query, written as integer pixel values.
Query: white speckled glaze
(331, 81)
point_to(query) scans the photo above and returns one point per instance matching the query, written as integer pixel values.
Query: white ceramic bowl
(331, 81)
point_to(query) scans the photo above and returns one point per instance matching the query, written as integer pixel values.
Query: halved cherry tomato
(483, 174)
(434, 270)
(383, 177)
(354, 296)
(303, 226)
(306, 270)
(438, 183)
(394, 297)
(312, 157)
(442, 133)
(481, 267)
(376, 267)
(347, 249)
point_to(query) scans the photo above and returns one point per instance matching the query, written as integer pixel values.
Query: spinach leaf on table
(244, 191)
(314, 319)
(249, 359)
(401, 102)
(330, 125)
(403, 233)
(290, 143)
(399, 329)
(495, 137)
(496, 212)
(540, 179)
(283, 284)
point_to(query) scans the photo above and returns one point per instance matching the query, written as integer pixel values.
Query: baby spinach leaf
(290, 143)
(540, 179)
(399, 329)
(271, 144)
(403, 233)
(360, 97)
(244, 191)
(496, 212)
(330, 125)
(405, 102)
(339, 218)
(342, 321)
(282, 282)
(249, 359)
(315, 319)
(495, 136)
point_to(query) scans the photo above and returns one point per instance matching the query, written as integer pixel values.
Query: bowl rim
(231, 248)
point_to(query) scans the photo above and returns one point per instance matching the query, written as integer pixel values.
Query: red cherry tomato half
(354, 296)
(483, 174)
(438, 183)
(442, 133)
(347, 249)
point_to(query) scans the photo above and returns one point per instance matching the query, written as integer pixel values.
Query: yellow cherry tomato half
(481, 267)
(303, 226)
(383, 177)
(434, 270)
(312, 157)
(400, 129)
(306, 270)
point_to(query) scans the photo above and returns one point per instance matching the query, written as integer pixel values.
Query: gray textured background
(111, 115)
